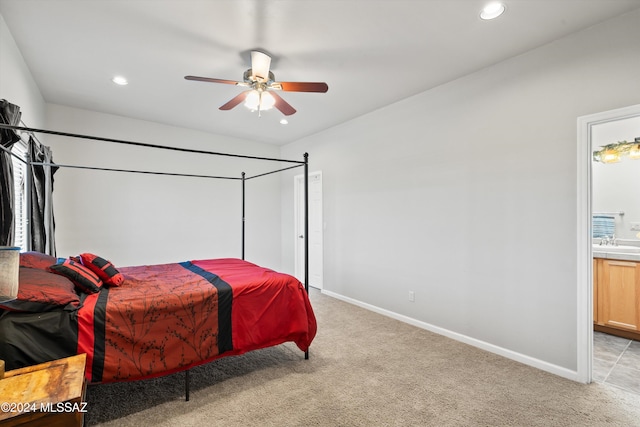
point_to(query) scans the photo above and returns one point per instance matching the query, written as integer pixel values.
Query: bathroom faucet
(606, 241)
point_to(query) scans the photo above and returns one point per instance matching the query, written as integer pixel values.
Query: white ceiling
(371, 53)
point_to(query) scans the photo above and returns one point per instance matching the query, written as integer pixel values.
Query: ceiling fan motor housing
(250, 78)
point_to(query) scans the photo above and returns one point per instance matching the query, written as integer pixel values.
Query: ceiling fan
(262, 84)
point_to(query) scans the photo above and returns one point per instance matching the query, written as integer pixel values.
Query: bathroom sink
(617, 249)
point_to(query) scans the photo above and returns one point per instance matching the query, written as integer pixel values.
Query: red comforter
(170, 317)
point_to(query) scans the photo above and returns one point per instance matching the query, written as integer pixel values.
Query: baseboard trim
(509, 354)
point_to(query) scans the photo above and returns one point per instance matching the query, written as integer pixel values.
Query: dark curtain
(41, 188)
(9, 115)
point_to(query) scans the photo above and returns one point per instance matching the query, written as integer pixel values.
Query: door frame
(584, 249)
(298, 185)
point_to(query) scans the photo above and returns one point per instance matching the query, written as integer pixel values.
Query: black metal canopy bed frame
(291, 164)
(243, 178)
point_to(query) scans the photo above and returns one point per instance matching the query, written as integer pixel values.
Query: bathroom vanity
(616, 290)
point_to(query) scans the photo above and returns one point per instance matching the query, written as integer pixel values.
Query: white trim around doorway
(584, 249)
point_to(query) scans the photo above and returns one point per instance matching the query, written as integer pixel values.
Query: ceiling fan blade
(212, 80)
(235, 100)
(301, 86)
(283, 105)
(260, 63)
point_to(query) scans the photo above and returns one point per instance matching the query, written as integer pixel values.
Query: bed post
(306, 221)
(28, 199)
(306, 229)
(243, 215)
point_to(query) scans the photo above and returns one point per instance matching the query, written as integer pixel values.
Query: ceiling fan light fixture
(259, 100)
(260, 64)
(492, 11)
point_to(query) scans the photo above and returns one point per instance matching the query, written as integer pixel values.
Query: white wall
(615, 185)
(466, 194)
(137, 219)
(16, 83)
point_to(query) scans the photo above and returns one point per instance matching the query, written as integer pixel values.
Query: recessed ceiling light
(492, 10)
(284, 122)
(119, 80)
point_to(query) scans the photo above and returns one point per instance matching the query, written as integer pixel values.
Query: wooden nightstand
(46, 395)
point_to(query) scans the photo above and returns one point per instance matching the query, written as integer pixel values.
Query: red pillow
(84, 279)
(41, 291)
(36, 260)
(103, 268)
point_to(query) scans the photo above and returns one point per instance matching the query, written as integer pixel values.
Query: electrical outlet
(635, 226)
(412, 296)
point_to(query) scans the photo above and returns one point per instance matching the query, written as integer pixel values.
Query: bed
(154, 319)
(158, 319)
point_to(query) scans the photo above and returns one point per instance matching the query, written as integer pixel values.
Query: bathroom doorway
(588, 129)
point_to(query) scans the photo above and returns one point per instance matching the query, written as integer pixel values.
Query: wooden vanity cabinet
(617, 297)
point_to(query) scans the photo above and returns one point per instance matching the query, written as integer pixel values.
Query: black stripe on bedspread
(99, 331)
(225, 298)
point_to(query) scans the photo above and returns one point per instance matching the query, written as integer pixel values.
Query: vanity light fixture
(613, 153)
(492, 10)
(120, 81)
(610, 156)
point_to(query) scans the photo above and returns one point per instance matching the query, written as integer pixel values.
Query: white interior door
(315, 229)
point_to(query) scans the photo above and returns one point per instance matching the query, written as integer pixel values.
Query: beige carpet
(365, 370)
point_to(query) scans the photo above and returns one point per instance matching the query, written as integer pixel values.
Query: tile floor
(616, 361)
